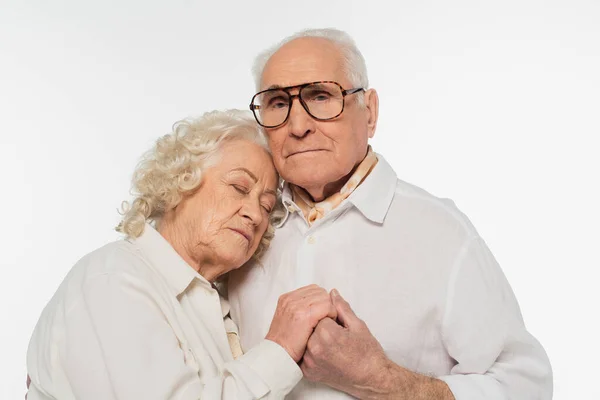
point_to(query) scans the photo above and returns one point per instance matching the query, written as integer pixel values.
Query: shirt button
(288, 206)
(311, 240)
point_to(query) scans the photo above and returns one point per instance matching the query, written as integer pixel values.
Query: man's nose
(300, 123)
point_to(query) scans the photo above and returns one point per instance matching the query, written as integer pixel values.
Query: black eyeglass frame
(345, 92)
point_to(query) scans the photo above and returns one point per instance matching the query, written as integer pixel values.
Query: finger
(324, 336)
(303, 367)
(308, 289)
(305, 292)
(300, 297)
(333, 312)
(306, 366)
(318, 295)
(345, 314)
(327, 327)
(321, 309)
(323, 299)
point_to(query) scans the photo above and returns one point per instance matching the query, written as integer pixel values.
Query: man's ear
(372, 109)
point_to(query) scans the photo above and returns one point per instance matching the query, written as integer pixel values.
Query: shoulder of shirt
(444, 207)
(120, 257)
(117, 257)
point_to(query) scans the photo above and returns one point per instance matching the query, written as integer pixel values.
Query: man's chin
(307, 178)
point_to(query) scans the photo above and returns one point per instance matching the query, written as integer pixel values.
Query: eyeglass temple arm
(352, 91)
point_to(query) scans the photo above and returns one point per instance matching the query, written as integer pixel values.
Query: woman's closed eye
(267, 207)
(241, 188)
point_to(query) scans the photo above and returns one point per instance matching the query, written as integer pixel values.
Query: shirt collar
(372, 197)
(163, 257)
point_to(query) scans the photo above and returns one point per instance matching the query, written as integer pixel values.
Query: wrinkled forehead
(302, 61)
(243, 154)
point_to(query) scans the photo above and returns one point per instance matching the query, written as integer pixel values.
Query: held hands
(297, 315)
(346, 356)
(333, 346)
(336, 348)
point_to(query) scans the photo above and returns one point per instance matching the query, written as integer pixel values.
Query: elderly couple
(345, 282)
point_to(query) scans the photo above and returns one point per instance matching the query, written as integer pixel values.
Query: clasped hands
(321, 332)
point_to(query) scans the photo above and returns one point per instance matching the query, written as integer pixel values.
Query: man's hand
(347, 357)
(296, 316)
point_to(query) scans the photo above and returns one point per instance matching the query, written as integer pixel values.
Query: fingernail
(335, 293)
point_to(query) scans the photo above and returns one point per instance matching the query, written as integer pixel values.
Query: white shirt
(132, 320)
(415, 270)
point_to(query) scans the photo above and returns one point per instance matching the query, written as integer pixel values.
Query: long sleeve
(119, 345)
(483, 330)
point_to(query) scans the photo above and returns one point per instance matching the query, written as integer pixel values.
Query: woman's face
(222, 223)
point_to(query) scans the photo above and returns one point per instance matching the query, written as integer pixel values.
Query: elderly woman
(141, 318)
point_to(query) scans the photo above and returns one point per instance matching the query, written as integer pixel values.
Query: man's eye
(267, 208)
(318, 96)
(322, 97)
(277, 102)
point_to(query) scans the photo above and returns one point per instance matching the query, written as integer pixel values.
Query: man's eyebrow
(274, 87)
(272, 192)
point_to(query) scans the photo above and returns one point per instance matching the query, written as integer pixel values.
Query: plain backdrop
(494, 104)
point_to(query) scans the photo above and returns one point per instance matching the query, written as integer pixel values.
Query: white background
(494, 104)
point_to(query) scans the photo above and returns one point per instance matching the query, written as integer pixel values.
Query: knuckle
(308, 361)
(326, 336)
(323, 301)
(282, 300)
(315, 348)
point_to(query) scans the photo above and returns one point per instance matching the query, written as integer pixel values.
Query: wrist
(409, 385)
(398, 383)
(392, 381)
(384, 383)
(291, 353)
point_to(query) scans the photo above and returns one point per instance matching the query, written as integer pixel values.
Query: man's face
(317, 155)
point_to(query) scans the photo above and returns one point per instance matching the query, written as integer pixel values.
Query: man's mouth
(304, 152)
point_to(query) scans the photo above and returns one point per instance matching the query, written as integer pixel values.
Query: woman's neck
(206, 267)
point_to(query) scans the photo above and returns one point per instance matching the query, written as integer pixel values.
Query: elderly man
(432, 316)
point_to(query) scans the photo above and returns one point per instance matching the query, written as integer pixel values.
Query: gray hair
(174, 167)
(354, 62)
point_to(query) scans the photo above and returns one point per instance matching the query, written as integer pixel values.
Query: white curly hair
(174, 167)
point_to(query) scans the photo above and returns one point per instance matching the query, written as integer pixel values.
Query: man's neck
(321, 192)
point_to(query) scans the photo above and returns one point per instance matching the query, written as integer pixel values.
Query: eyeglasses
(322, 100)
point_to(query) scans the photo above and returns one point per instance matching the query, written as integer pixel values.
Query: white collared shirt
(132, 320)
(416, 271)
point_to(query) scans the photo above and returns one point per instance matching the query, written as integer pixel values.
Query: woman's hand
(297, 314)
